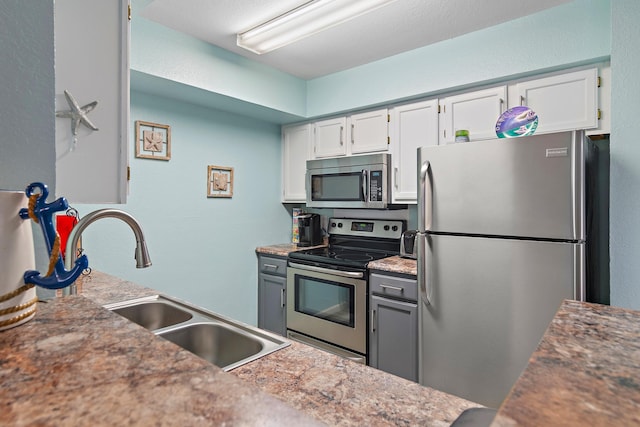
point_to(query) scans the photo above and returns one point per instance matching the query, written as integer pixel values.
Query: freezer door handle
(425, 206)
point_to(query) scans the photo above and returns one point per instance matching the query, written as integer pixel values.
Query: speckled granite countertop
(585, 372)
(283, 249)
(76, 362)
(395, 264)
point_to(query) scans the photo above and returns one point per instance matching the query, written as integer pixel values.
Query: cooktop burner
(355, 257)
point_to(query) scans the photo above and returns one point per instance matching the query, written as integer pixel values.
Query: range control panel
(381, 228)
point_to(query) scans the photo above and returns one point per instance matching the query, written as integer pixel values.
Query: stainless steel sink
(224, 342)
(154, 315)
(216, 343)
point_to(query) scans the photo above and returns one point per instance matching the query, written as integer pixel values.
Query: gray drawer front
(394, 287)
(271, 265)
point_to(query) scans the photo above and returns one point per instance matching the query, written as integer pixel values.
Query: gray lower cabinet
(272, 281)
(393, 324)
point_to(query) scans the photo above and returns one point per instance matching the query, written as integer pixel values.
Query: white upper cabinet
(369, 132)
(329, 138)
(92, 64)
(563, 102)
(296, 142)
(476, 112)
(411, 126)
(357, 134)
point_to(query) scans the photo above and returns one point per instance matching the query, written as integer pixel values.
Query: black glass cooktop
(354, 247)
(339, 256)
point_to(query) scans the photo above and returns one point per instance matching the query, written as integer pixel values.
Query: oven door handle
(352, 274)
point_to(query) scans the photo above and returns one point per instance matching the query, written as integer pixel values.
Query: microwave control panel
(375, 186)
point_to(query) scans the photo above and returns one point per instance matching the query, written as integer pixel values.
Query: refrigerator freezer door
(527, 187)
(490, 302)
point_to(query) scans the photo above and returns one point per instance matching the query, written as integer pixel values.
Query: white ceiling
(397, 27)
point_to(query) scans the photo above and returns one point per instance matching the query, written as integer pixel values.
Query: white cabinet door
(476, 112)
(329, 138)
(368, 132)
(562, 102)
(92, 64)
(411, 126)
(296, 141)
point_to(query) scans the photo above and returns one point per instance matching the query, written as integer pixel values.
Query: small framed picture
(219, 181)
(153, 141)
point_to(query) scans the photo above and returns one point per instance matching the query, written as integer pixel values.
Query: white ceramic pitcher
(17, 301)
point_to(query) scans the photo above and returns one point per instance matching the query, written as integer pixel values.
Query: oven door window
(346, 187)
(325, 300)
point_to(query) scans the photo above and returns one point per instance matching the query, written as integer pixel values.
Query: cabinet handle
(341, 135)
(395, 288)
(521, 100)
(373, 321)
(282, 298)
(353, 132)
(275, 267)
(395, 177)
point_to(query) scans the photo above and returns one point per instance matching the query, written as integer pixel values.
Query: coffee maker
(309, 229)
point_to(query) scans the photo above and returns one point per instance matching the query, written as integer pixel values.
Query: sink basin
(154, 315)
(224, 342)
(215, 343)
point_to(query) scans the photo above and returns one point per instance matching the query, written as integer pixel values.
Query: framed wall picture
(153, 141)
(219, 181)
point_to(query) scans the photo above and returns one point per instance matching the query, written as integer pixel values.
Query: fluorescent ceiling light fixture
(303, 21)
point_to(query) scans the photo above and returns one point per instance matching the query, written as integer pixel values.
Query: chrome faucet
(142, 255)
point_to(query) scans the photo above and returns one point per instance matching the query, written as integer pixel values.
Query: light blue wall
(570, 34)
(625, 154)
(203, 249)
(161, 52)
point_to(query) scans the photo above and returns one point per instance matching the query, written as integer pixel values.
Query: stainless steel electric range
(327, 287)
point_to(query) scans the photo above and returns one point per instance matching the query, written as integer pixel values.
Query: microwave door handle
(365, 193)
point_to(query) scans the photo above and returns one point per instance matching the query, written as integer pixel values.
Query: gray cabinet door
(393, 337)
(271, 303)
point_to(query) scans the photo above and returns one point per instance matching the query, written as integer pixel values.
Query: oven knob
(333, 224)
(339, 225)
(386, 228)
(394, 228)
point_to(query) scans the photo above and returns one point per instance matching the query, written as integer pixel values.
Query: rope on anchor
(32, 206)
(55, 254)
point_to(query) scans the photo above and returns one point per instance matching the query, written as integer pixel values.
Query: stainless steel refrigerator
(501, 243)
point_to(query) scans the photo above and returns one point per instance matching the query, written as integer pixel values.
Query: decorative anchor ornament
(42, 213)
(78, 115)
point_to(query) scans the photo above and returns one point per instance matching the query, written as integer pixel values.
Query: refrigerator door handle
(579, 265)
(425, 206)
(424, 292)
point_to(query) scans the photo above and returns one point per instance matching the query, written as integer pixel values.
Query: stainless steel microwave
(349, 182)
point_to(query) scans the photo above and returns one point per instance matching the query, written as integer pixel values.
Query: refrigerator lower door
(490, 301)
